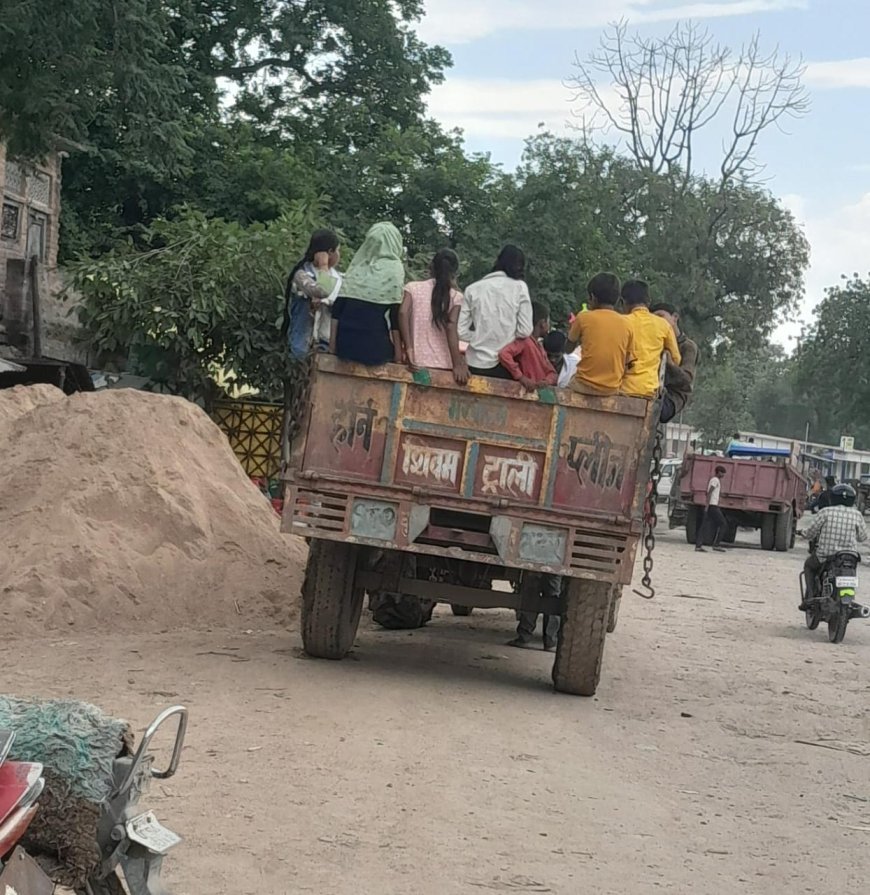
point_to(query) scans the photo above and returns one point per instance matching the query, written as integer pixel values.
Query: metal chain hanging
(297, 394)
(650, 519)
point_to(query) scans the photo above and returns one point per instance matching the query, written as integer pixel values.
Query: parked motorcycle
(133, 843)
(836, 603)
(21, 785)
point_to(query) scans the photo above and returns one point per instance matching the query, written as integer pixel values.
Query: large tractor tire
(768, 531)
(581, 637)
(331, 601)
(782, 537)
(615, 602)
(694, 518)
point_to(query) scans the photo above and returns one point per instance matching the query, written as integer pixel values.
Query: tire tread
(580, 651)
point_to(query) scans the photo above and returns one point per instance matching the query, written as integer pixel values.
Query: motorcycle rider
(837, 528)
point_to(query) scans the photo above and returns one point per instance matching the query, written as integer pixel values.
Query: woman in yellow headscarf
(365, 316)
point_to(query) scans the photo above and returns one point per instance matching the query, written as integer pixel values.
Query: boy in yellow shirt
(605, 337)
(651, 337)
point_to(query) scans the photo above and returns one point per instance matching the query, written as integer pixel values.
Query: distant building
(29, 227)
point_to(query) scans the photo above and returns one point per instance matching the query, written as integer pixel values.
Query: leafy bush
(201, 309)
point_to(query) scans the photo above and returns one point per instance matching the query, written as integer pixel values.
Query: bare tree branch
(657, 94)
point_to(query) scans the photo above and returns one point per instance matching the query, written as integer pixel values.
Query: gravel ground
(727, 750)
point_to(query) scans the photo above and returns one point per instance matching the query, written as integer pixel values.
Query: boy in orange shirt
(605, 337)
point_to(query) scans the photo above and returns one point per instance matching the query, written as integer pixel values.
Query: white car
(670, 468)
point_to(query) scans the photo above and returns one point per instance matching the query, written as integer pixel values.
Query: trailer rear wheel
(694, 519)
(580, 650)
(782, 535)
(331, 601)
(730, 535)
(613, 617)
(768, 531)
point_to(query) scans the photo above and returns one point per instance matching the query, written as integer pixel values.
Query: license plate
(847, 581)
(148, 831)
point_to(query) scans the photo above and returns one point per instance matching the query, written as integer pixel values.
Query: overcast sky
(511, 58)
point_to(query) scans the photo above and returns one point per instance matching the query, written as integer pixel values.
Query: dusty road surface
(728, 749)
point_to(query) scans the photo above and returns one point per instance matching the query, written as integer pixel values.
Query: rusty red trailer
(475, 484)
(765, 493)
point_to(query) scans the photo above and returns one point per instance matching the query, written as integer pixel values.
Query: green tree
(577, 210)
(86, 66)
(833, 364)
(202, 305)
(140, 84)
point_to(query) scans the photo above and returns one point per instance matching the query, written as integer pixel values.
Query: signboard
(847, 443)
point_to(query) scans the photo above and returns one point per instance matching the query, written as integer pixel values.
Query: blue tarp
(741, 449)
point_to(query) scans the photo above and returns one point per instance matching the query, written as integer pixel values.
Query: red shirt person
(525, 359)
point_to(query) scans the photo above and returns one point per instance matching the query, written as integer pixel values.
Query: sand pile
(126, 511)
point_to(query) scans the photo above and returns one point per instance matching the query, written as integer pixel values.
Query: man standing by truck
(712, 514)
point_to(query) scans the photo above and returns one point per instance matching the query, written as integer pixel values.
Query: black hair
(321, 241)
(667, 308)
(445, 267)
(604, 288)
(721, 470)
(635, 293)
(511, 261)
(539, 312)
(555, 342)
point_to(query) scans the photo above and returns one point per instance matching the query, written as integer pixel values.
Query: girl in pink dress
(429, 316)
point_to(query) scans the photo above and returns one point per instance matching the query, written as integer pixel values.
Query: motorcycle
(132, 842)
(835, 603)
(21, 785)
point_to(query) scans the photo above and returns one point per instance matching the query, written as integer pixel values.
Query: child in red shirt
(525, 359)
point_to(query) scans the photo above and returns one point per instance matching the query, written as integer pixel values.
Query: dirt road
(439, 761)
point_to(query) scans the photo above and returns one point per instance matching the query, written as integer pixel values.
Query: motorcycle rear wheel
(838, 621)
(813, 616)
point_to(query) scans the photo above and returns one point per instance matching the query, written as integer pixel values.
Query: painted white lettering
(515, 475)
(437, 464)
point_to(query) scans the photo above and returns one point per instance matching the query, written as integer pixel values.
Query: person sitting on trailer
(525, 359)
(565, 364)
(605, 339)
(679, 377)
(312, 286)
(429, 317)
(365, 316)
(496, 310)
(652, 338)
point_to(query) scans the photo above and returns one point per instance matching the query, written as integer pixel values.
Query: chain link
(650, 519)
(297, 393)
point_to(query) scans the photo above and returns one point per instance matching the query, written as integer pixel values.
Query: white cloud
(840, 73)
(839, 244)
(462, 21)
(499, 108)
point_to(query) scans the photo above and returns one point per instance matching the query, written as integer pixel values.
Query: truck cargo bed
(551, 481)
